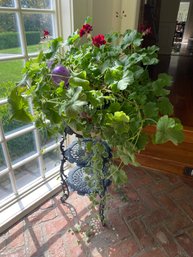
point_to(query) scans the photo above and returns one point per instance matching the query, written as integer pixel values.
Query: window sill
(20, 206)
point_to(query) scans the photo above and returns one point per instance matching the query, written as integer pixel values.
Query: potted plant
(99, 87)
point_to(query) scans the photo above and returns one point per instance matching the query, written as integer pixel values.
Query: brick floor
(150, 217)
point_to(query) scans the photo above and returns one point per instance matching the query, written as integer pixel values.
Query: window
(28, 158)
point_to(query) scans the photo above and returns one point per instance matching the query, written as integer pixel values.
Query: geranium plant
(100, 87)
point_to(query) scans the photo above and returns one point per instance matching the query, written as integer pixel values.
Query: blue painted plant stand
(75, 180)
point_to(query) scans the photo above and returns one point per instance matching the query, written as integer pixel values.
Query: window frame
(23, 200)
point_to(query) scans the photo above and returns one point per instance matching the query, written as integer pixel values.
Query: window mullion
(8, 160)
(21, 30)
(38, 145)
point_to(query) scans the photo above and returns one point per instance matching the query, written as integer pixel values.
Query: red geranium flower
(82, 32)
(46, 33)
(99, 40)
(145, 30)
(87, 28)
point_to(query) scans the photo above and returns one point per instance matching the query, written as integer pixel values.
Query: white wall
(104, 14)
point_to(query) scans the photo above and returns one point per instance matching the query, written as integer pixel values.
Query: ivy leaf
(118, 175)
(165, 106)
(168, 129)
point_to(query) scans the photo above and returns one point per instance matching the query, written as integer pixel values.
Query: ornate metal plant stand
(75, 180)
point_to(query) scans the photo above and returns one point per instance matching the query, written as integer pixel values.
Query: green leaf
(19, 105)
(113, 74)
(88, 20)
(114, 107)
(73, 38)
(78, 82)
(128, 79)
(165, 106)
(150, 110)
(168, 129)
(118, 175)
(142, 141)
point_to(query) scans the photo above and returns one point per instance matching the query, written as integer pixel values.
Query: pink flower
(99, 40)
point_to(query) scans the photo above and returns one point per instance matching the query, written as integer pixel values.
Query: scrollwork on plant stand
(76, 179)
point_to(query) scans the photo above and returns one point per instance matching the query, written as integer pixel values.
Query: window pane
(40, 4)
(5, 187)
(27, 173)
(7, 3)
(9, 36)
(51, 159)
(2, 160)
(38, 29)
(10, 71)
(46, 141)
(10, 125)
(21, 147)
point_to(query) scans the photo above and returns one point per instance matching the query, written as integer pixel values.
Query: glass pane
(51, 159)
(7, 3)
(46, 141)
(2, 160)
(39, 29)
(40, 4)
(5, 187)
(21, 147)
(10, 71)
(9, 36)
(27, 173)
(9, 125)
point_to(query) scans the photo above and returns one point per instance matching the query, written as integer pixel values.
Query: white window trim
(15, 207)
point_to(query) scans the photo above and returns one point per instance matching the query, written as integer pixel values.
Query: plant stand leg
(65, 190)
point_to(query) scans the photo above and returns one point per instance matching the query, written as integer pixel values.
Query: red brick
(186, 243)
(118, 225)
(182, 192)
(41, 216)
(34, 240)
(131, 211)
(178, 223)
(141, 233)
(16, 236)
(131, 194)
(56, 226)
(187, 208)
(126, 248)
(167, 203)
(142, 181)
(17, 253)
(56, 247)
(166, 241)
(156, 217)
(148, 199)
(152, 253)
